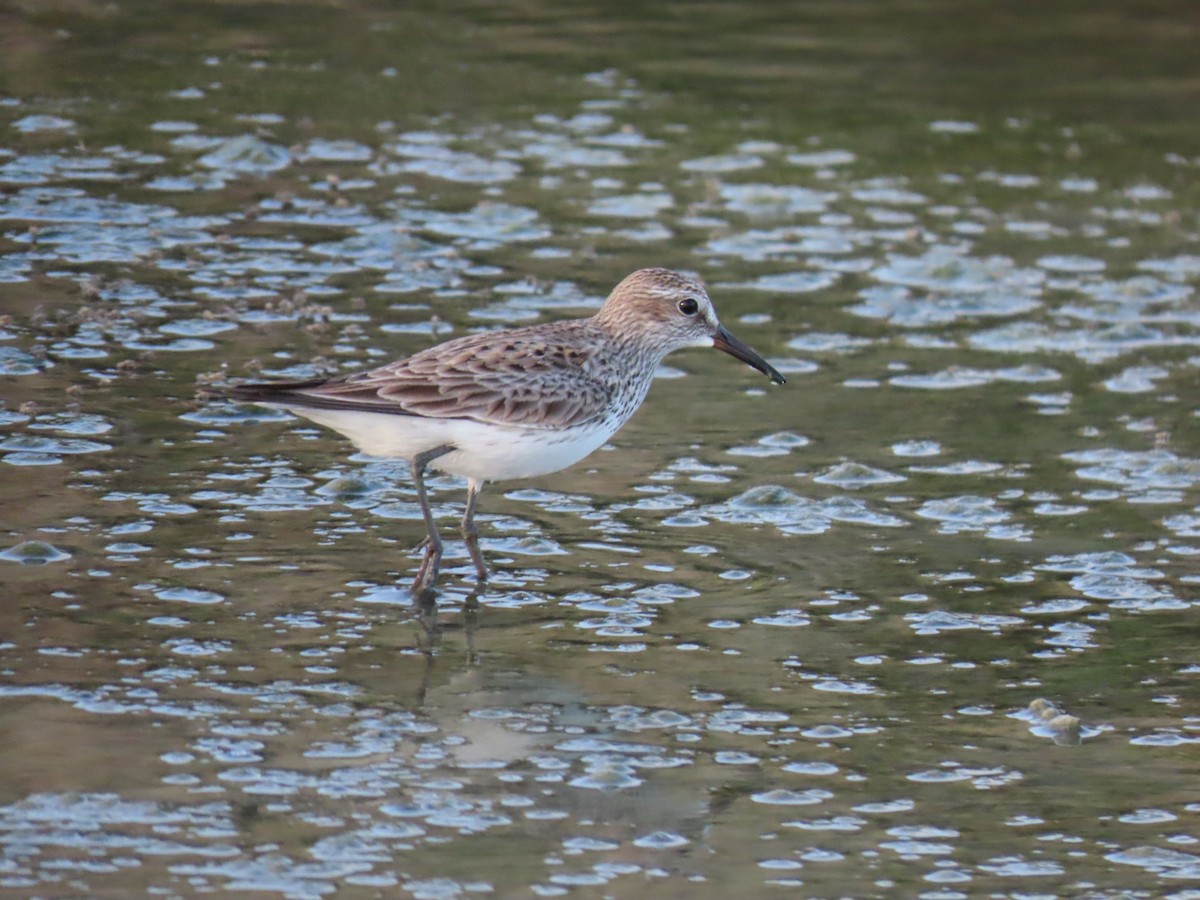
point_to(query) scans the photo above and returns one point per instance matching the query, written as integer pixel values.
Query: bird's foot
(481, 571)
(427, 575)
(471, 539)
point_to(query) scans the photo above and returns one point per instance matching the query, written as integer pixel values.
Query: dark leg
(428, 573)
(471, 532)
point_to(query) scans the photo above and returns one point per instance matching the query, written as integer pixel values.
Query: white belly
(484, 452)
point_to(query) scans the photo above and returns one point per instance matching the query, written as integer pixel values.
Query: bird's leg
(428, 573)
(470, 531)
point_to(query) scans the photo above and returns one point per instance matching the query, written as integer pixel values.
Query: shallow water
(918, 623)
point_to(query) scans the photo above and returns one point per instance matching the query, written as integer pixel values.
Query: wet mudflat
(919, 623)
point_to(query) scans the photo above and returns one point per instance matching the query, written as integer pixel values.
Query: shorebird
(513, 403)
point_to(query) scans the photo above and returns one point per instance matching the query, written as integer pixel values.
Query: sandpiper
(513, 403)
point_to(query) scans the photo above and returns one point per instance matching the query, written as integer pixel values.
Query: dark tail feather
(260, 392)
(295, 395)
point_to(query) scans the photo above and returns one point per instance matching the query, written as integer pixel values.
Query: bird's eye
(689, 306)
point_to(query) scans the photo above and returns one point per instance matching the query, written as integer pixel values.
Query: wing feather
(536, 378)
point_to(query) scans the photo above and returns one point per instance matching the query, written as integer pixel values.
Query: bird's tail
(258, 392)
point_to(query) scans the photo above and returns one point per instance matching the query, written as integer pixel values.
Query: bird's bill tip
(727, 343)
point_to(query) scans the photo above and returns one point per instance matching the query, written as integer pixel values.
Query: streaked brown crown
(646, 303)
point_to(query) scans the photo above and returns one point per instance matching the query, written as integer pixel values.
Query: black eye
(689, 306)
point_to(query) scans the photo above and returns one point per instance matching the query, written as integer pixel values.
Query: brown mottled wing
(514, 378)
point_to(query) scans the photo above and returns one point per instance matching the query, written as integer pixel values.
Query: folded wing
(507, 378)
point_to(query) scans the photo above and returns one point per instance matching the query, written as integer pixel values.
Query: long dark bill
(725, 341)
